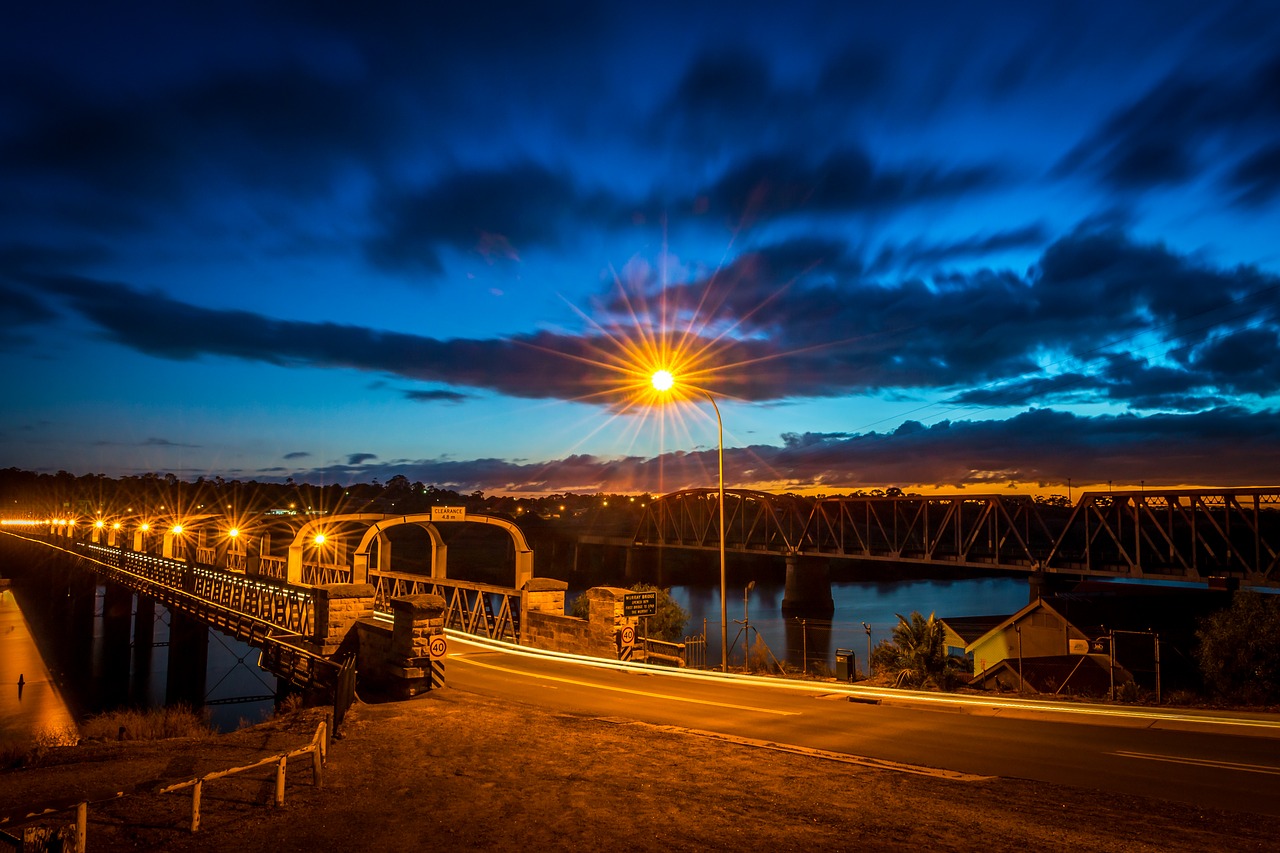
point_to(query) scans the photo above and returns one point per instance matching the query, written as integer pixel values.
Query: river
(809, 643)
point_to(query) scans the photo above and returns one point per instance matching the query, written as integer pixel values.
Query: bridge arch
(379, 523)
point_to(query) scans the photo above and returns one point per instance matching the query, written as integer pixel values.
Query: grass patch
(19, 752)
(154, 724)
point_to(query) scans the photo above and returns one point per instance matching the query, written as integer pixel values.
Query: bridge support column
(1040, 584)
(337, 608)
(117, 616)
(188, 660)
(640, 563)
(808, 586)
(144, 640)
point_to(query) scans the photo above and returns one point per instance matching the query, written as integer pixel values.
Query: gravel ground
(455, 771)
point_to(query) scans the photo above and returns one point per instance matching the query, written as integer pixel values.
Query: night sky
(944, 246)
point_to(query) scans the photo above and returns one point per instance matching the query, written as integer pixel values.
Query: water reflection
(807, 643)
(31, 705)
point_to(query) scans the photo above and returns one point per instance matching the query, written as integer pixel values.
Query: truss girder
(1184, 534)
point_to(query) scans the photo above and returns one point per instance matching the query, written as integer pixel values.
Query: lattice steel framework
(1173, 534)
(755, 522)
(1187, 535)
(973, 530)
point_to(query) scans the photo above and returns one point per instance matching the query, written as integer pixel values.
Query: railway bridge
(1227, 536)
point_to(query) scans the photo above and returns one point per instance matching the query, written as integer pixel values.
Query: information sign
(640, 604)
(448, 513)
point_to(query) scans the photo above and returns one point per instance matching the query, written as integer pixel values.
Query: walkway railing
(286, 607)
(477, 608)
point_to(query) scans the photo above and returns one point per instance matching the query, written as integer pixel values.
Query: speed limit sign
(628, 635)
(439, 646)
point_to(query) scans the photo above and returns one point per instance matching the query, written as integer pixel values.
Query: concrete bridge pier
(1040, 584)
(188, 660)
(117, 623)
(144, 640)
(643, 564)
(808, 586)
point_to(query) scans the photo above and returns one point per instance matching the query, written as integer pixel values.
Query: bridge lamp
(318, 539)
(144, 527)
(176, 530)
(663, 382)
(99, 524)
(115, 526)
(233, 533)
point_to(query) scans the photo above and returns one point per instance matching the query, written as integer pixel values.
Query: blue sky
(939, 246)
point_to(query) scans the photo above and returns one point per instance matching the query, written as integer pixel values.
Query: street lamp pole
(724, 603)
(663, 381)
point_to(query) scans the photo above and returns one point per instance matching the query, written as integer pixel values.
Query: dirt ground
(455, 771)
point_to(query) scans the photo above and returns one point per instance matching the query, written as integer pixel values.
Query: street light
(663, 381)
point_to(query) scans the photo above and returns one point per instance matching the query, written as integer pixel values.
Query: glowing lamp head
(319, 539)
(99, 524)
(144, 527)
(233, 532)
(115, 526)
(176, 530)
(663, 380)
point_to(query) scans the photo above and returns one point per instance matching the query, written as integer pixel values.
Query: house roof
(970, 628)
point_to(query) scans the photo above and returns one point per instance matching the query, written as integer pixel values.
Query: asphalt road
(1226, 761)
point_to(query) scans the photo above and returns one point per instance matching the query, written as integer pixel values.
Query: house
(1089, 675)
(1152, 629)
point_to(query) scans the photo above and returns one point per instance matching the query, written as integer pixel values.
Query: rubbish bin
(846, 668)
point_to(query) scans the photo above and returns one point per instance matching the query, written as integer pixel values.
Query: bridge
(296, 607)
(1183, 535)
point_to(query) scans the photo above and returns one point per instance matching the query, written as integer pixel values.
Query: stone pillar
(418, 619)
(337, 608)
(542, 595)
(808, 586)
(605, 619)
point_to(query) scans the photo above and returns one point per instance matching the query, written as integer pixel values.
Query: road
(1222, 761)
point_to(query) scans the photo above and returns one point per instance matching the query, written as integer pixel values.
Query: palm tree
(922, 653)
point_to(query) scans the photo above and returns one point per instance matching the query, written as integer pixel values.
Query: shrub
(1239, 649)
(153, 724)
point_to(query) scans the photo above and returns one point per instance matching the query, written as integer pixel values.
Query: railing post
(280, 780)
(195, 805)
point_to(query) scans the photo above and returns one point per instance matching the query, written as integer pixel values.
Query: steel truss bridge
(1187, 535)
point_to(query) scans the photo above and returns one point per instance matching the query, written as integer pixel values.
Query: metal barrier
(476, 608)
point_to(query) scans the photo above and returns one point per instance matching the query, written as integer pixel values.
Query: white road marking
(1204, 762)
(629, 691)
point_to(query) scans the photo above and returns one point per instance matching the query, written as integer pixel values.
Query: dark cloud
(920, 254)
(846, 181)
(297, 454)
(496, 213)
(1184, 124)
(801, 323)
(360, 458)
(435, 396)
(1256, 179)
(164, 442)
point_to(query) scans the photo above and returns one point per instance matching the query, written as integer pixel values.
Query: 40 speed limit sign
(628, 635)
(438, 647)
